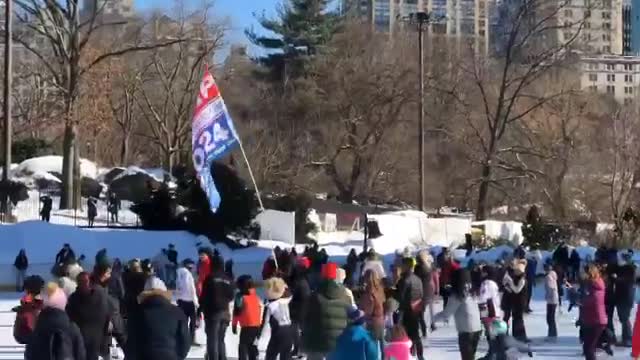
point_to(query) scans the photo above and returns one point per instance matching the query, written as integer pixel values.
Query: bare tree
(166, 87)
(65, 35)
(504, 92)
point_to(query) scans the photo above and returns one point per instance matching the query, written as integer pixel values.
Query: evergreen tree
(301, 28)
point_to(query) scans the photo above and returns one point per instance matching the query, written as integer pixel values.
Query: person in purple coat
(593, 314)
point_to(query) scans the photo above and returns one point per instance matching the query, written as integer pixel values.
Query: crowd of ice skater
(316, 308)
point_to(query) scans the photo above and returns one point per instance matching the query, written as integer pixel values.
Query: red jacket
(635, 342)
(447, 271)
(593, 311)
(204, 270)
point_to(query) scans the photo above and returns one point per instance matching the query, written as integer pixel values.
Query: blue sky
(238, 12)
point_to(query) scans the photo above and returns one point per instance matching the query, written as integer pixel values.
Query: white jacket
(489, 290)
(376, 266)
(185, 286)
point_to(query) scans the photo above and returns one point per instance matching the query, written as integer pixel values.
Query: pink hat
(54, 297)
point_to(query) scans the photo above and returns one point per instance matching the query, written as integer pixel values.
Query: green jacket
(326, 318)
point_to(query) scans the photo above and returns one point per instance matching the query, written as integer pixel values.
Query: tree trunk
(68, 146)
(77, 178)
(124, 149)
(483, 193)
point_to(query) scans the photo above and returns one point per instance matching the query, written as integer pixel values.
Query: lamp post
(6, 203)
(422, 20)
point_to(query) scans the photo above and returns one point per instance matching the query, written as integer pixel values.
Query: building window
(628, 78)
(606, 49)
(611, 77)
(481, 32)
(568, 13)
(593, 88)
(628, 101)
(611, 89)
(606, 26)
(593, 66)
(628, 90)
(628, 67)
(593, 77)
(611, 66)
(587, 14)
(606, 15)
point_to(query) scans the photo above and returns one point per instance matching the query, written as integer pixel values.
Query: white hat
(154, 283)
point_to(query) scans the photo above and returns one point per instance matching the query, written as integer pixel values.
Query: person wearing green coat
(328, 317)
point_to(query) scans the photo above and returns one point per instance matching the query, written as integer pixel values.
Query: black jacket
(55, 337)
(91, 313)
(159, 330)
(425, 276)
(300, 294)
(116, 323)
(217, 293)
(133, 286)
(65, 256)
(172, 255)
(21, 262)
(625, 289)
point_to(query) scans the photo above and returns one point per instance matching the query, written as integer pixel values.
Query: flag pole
(253, 179)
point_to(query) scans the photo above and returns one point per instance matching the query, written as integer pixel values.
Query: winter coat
(204, 270)
(490, 298)
(424, 272)
(172, 256)
(532, 270)
(133, 286)
(515, 293)
(246, 310)
(374, 265)
(300, 295)
(277, 315)
(90, 312)
(217, 293)
(55, 337)
(398, 350)
(593, 311)
(21, 263)
(67, 285)
(465, 313)
(355, 343)
(327, 319)
(625, 285)
(115, 287)
(635, 340)
(269, 269)
(551, 288)
(446, 273)
(159, 330)
(65, 256)
(116, 322)
(409, 291)
(372, 304)
(186, 287)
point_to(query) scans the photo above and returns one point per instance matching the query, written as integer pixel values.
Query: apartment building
(110, 8)
(600, 23)
(615, 75)
(465, 20)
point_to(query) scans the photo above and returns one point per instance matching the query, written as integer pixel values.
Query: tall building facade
(109, 8)
(466, 20)
(600, 24)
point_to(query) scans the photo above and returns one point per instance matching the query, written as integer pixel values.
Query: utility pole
(6, 203)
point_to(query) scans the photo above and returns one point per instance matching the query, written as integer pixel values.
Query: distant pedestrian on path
(113, 206)
(47, 205)
(92, 211)
(21, 265)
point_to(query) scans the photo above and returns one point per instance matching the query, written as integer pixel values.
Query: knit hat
(304, 262)
(54, 297)
(274, 288)
(330, 271)
(154, 283)
(356, 316)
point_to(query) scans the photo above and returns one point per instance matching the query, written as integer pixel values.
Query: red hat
(330, 271)
(304, 262)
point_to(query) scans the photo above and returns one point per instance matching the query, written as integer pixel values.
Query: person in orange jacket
(247, 313)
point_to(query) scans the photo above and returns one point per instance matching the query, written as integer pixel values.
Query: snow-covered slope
(52, 163)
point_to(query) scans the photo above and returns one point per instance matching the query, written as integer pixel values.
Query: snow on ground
(157, 174)
(440, 345)
(53, 163)
(30, 210)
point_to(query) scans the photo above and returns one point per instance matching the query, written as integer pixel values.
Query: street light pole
(421, 29)
(6, 203)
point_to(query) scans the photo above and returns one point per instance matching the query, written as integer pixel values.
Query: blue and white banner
(213, 135)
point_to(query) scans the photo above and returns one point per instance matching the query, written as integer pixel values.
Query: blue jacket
(355, 343)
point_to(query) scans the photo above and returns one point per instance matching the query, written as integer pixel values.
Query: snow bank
(157, 174)
(53, 163)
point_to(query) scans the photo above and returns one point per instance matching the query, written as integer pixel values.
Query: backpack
(24, 324)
